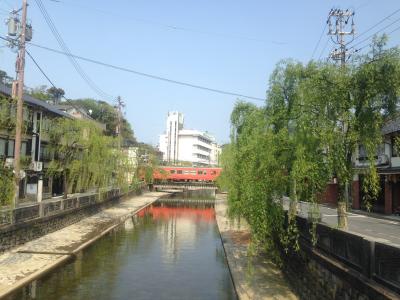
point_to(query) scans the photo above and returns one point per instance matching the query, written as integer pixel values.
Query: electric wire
(157, 77)
(52, 84)
(319, 40)
(372, 35)
(323, 49)
(171, 26)
(124, 69)
(367, 45)
(66, 49)
(377, 24)
(63, 45)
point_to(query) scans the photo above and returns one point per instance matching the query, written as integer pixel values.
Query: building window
(362, 153)
(10, 148)
(45, 153)
(3, 144)
(23, 149)
(394, 148)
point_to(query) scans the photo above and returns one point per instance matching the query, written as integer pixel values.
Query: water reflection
(169, 251)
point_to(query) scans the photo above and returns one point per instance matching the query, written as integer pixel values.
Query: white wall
(179, 144)
(162, 145)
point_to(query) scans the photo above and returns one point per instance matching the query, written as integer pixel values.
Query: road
(380, 230)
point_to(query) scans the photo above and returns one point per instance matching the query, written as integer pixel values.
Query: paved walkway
(254, 277)
(381, 230)
(25, 263)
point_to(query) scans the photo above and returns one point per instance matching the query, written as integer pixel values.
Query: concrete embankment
(254, 277)
(32, 260)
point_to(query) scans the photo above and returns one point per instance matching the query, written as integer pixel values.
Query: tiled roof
(391, 126)
(35, 102)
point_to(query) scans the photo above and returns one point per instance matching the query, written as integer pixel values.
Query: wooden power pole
(18, 93)
(120, 105)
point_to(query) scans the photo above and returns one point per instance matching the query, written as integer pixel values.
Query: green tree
(314, 118)
(7, 185)
(40, 93)
(55, 94)
(105, 113)
(80, 150)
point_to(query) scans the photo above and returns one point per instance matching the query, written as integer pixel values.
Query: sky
(227, 45)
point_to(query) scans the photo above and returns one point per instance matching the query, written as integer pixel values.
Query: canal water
(170, 250)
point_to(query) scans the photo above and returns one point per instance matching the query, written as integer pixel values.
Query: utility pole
(341, 19)
(120, 105)
(18, 91)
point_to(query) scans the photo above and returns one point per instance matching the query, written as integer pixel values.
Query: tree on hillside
(40, 93)
(55, 94)
(106, 114)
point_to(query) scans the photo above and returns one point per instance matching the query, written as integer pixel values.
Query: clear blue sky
(229, 45)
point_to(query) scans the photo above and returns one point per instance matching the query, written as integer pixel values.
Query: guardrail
(375, 260)
(186, 185)
(52, 207)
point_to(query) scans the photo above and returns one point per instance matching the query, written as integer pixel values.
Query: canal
(170, 250)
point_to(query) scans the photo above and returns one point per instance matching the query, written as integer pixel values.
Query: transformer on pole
(19, 33)
(338, 21)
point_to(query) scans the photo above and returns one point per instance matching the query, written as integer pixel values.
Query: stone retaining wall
(342, 265)
(22, 232)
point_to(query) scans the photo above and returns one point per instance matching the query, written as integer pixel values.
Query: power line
(52, 83)
(171, 26)
(125, 69)
(380, 30)
(319, 40)
(394, 30)
(66, 49)
(323, 49)
(377, 24)
(40, 69)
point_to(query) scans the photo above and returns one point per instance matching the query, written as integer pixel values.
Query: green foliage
(106, 114)
(40, 93)
(7, 186)
(314, 118)
(7, 114)
(148, 163)
(85, 157)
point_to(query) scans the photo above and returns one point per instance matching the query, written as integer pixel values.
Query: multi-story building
(387, 162)
(180, 145)
(35, 154)
(35, 148)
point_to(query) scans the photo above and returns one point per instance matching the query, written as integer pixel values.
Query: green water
(166, 252)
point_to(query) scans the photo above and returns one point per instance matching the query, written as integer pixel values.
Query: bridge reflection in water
(167, 251)
(205, 213)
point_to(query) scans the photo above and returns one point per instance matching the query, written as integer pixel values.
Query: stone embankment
(24, 264)
(254, 277)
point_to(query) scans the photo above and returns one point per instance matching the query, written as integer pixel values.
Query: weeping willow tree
(314, 118)
(7, 186)
(85, 157)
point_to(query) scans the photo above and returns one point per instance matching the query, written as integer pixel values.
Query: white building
(187, 145)
(132, 155)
